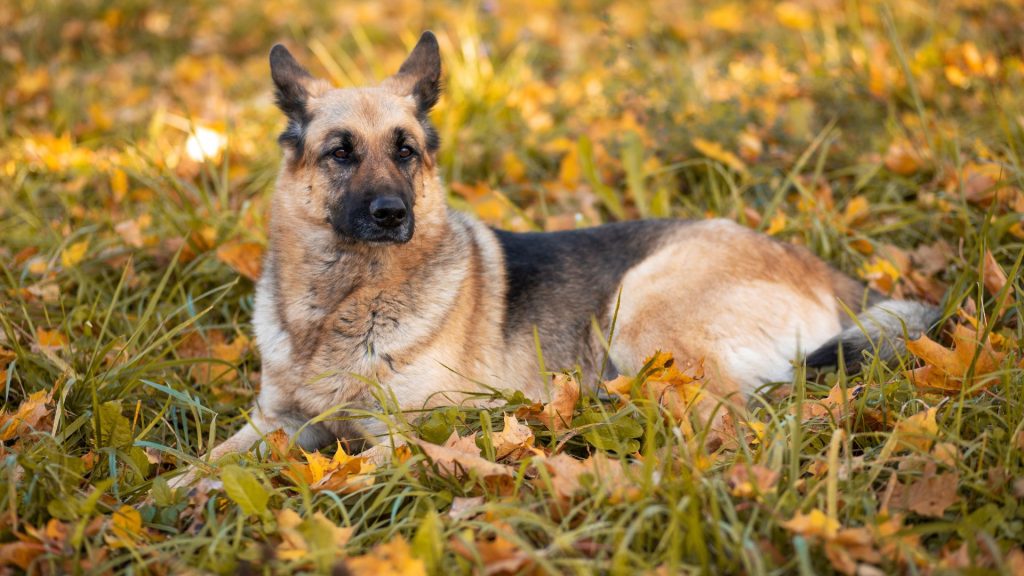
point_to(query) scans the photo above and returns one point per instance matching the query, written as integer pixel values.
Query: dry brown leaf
(215, 346)
(994, 280)
(557, 414)
(752, 480)
(836, 405)
(932, 494)
(460, 456)
(392, 558)
(850, 548)
(246, 258)
(20, 553)
(514, 441)
(901, 158)
(26, 418)
(463, 508)
(568, 475)
(131, 231)
(294, 545)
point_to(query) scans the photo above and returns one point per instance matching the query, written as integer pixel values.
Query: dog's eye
(343, 153)
(405, 152)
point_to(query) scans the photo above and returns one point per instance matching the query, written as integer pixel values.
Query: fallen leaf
(838, 404)
(313, 536)
(456, 458)
(341, 473)
(514, 441)
(715, 151)
(557, 414)
(946, 370)
(26, 418)
(73, 254)
(994, 280)
(50, 339)
(850, 548)
(793, 15)
(917, 432)
(225, 356)
(932, 494)
(497, 554)
(813, 525)
(392, 558)
(464, 508)
(901, 158)
(20, 553)
(246, 258)
(752, 480)
(125, 528)
(777, 224)
(570, 476)
(880, 274)
(131, 231)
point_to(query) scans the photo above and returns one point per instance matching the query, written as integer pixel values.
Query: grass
(863, 130)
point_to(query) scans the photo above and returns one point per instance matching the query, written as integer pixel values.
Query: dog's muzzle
(388, 211)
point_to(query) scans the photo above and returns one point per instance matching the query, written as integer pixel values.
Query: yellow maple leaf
(73, 254)
(814, 524)
(125, 527)
(880, 273)
(918, 431)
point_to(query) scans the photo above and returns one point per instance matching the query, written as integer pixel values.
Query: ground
(138, 151)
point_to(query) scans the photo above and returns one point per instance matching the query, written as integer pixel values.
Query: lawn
(137, 156)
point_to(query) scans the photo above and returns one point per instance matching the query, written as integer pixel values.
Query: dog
(371, 279)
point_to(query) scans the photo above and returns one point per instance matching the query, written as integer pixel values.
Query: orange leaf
(29, 413)
(557, 414)
(51, 339)
(393, 558)
(246, 258)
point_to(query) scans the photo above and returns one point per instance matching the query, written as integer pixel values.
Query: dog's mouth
(363, 230)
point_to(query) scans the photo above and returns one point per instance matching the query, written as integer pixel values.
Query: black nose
(388, 211)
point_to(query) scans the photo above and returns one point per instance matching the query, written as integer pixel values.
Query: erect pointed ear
(292, 82)
(420, 74)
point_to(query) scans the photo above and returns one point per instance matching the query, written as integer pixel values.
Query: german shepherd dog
(371, 280)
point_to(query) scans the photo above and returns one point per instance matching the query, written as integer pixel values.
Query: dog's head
(361, 160)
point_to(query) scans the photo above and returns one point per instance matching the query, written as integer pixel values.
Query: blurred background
(554, 114)
(138, 153)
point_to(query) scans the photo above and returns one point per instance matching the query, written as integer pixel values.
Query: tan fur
(424, 319)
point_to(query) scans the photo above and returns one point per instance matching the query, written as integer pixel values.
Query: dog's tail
(882, 329)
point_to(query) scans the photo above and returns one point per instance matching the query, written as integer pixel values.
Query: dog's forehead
(363, 110)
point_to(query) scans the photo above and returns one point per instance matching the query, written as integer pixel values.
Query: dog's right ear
(292, 82)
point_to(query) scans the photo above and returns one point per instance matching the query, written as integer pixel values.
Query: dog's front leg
(310, 437)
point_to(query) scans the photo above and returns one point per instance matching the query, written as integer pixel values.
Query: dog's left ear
(420, 74)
